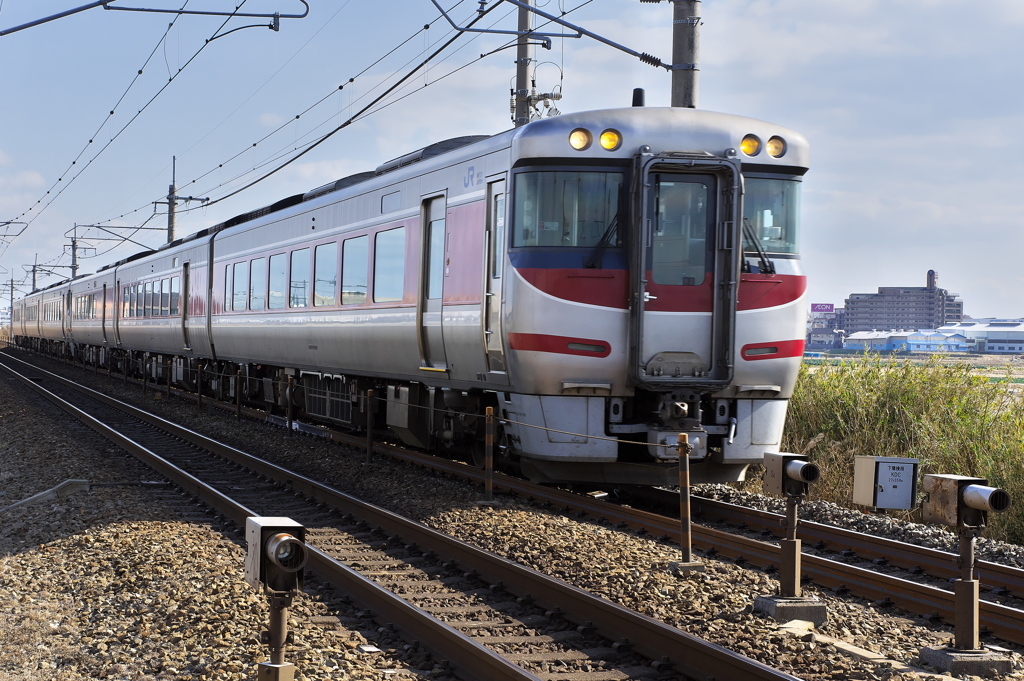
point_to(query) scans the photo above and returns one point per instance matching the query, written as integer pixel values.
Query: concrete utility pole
(74, 254)
(524, 56)
(173, 198)
(685, 52)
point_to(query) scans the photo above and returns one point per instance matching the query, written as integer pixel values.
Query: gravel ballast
(115, 583)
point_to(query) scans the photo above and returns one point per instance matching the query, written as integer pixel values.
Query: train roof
(659, 129)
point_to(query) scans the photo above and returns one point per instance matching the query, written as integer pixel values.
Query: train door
(434, 246)
(492, 286)
(183, 299)
(685, 272)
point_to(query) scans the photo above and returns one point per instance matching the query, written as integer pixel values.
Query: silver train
(604, 280)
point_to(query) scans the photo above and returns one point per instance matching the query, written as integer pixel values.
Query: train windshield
(567, 208)
(771, 211)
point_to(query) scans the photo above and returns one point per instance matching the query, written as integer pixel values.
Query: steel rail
(896, 553)
(1005, 622)
(465, 655)
(690, 655)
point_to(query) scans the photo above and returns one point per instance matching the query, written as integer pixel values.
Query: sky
(913, 109)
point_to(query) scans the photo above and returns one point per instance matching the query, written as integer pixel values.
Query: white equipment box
(885, 482)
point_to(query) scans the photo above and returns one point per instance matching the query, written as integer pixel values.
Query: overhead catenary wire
(371, 108)
(126, 125)
(362, 114)
(280, 128)
(310, 147)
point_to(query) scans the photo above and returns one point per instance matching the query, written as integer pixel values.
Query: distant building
(992, 336)
(925, 340)
(824, 328)
(894, 307)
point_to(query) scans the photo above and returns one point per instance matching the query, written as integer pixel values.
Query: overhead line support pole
(685, 52)
(524, 55)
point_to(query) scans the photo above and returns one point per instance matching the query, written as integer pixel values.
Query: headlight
(750, 145)
(776, 147)
(611, 139)
(580, 139)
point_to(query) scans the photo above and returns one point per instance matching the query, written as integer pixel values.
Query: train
(603, 280)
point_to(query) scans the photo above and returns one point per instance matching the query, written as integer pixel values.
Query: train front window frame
(569, 207)
(771, 210)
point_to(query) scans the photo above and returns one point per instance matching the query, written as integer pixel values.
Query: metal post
(967, 625)
(369, 424)
(277, 639)
(524, 56)
(790, 552)
(685, 52)
(168, 379)
(199, 386)
(685, 533)
(238, 394)
(489, 455)
(145, 374)
(288, 401)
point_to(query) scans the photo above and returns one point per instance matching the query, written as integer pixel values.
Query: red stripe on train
(563, 345)
(610, 288)
(776, 350)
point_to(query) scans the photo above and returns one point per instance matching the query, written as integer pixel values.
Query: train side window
(228, 281)
(175, 296)
(149, 299)
(165, 298)
(241, 286)
(497, 247)
(435, 247)
(258, 284)
(278, 281)
(140, 300)
(298, 287)
(355, 257)
(325, 275)
(389, 266)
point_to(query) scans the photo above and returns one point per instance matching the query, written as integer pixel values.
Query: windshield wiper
(595, 258)
(765, 265)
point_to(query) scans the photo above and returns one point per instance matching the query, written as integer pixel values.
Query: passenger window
(258, 284)
(241, 286)
(165, 297)
(175, 296)
(298, 287)
(140, 300)
(355, 256)
(278, 280)
(389, 266)
(325, 272)
(435, 246)
(228, 281)
(149, 299)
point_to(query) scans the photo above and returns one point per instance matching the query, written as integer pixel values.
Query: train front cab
(683, 327)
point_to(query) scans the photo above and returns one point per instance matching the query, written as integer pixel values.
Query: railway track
(460, 602)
